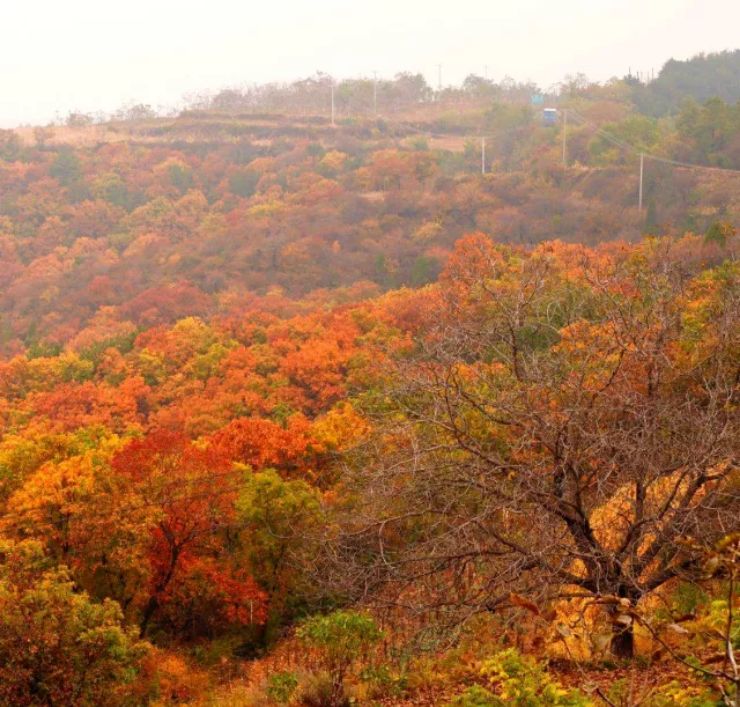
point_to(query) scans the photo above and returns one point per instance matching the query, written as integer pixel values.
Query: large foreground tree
(565, 428)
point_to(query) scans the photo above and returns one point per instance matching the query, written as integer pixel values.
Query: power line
(647, 155)
(603, 133)
(690, 165)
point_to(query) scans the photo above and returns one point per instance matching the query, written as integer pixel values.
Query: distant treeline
(701, 78)
(361, 95)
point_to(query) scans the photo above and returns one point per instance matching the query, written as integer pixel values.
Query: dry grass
(76, 136)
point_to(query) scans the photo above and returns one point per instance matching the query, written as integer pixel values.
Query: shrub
(56, 645)
(341, 637)
(475, 696)
(521, 681)
(321, 691)
(281, 686)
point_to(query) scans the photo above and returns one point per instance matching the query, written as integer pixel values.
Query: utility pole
(642, 164)
(375, 92)
(439, 77)
(485, 72)
(565, 137)
(483, 155)
(333, 124)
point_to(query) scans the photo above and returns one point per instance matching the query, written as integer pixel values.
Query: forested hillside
(374, 412)
(108, 228)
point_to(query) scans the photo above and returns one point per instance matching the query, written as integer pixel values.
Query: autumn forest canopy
(431, 399)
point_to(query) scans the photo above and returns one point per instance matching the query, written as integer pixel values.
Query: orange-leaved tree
(192, 490)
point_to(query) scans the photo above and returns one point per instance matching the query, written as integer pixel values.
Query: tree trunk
(153, 603)
(623, 641)
(151, 607)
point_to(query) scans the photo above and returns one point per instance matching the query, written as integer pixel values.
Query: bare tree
(561, 432)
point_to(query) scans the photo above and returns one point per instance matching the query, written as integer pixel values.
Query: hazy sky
(62, 55)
